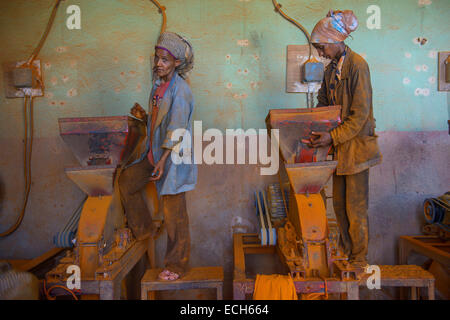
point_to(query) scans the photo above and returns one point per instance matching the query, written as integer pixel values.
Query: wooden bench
(404, 276)
(195, 278)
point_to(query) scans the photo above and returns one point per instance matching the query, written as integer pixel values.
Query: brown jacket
(354, 140)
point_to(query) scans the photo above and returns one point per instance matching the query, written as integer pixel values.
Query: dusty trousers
(132, 182)
(350, 202)
(176, 221)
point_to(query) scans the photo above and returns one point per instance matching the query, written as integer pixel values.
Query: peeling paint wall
(239, 74)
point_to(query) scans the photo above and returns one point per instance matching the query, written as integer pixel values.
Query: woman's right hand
(138, 112)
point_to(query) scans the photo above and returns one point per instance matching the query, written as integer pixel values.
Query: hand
(321, 139)
(138, 112)
(159, 168)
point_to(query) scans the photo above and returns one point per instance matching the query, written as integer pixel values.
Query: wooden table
(195, 278)
(431, 247)
(405, 276)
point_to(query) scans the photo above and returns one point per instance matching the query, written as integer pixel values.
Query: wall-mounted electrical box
(444, 71)
(313, 71)
(300, 73)
(19, 78)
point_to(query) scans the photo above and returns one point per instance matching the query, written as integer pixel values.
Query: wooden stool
(195, 278)
(403, 276)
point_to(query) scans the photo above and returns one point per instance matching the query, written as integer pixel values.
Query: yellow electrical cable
(25, 143)
(162, 10)
(44, 36)
(26, 165)
(47, 291)
(297, 24)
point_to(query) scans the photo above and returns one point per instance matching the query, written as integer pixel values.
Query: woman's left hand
(159, 168)
(321, 139)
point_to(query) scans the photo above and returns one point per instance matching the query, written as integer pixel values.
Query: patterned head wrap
(335, 28)
(179, 48)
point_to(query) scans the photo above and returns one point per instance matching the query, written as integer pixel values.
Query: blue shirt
(175, 112)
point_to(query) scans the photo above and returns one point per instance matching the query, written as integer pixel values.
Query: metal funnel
(309, 177)
(95, 140)
(295, 125)
(94, 181)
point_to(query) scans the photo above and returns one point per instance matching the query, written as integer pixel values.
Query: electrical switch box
(444, 71)
(313, 71)
(20, 79)
(303, 74)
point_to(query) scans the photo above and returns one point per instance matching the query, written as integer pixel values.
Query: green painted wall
(106, 64)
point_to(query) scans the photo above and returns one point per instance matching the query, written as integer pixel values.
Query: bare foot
(168, 275)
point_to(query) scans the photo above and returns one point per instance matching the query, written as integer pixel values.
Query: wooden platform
(432, 247)
(410, 276)
(195, 278)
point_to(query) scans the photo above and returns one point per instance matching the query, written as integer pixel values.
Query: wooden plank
(431, 290)
(194, 275)
(403, 250)
(151, 253)
(426, 249)
(260, 250)
(90, 297)
(16, 263)
(36, 261)
(144, 293)
(238, 291)
(219, 295)
(170, 285)
(195, 278)
(413, 293)
(400, 272)
(121, 267)
(239, 258)
(352, 291)
(247, 237)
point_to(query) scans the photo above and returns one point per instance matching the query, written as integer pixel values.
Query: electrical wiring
(297, 24)
(49, 297)
(44, 36)
(162, 10)
(27, 152)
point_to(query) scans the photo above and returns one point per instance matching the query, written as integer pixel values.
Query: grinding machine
(104, 248)
(303, 241)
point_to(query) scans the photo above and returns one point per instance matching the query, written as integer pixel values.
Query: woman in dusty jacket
(171, 107)
(347, 83)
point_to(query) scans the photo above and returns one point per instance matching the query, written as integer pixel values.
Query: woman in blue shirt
(171, 108)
